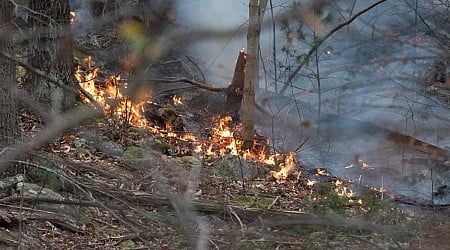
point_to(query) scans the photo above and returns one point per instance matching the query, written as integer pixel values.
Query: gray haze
(370, 83)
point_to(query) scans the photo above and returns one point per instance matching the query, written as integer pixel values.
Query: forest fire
(223, 137)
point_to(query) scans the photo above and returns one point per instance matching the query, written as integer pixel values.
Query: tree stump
(234, 92)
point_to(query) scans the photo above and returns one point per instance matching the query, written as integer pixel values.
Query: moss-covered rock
(237, 168)
(134, 152)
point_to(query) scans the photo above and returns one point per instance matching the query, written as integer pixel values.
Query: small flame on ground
(176, 100)
(342, 190)
(322, 172)
(310, 183)
(286, 167)
(73, 16)
(111, 96)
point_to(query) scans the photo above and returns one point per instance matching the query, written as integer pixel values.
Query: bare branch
(201, 85)
(59, 83)
(321, 40)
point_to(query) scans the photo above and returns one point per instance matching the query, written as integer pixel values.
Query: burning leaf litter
(223, 137)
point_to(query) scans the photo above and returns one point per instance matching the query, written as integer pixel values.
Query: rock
(127, 244)
(237, 168)
(134, 152)
(110, 148)
(192, 161)
(10, 182)
(85, 140)
(30, 190)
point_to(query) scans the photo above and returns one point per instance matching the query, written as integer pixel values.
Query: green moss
(45, 178)
(249, 245)
(190, 160)
(127, 244)
(162, 146)
(134, 152)
(159, 217)
(80, 51)
(141, 131)
(243, 200)
(94, 121)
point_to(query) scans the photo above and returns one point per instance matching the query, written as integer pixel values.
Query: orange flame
(224, 138)
(286, 167)
(110, 97)
(176, 100)
(72, 16)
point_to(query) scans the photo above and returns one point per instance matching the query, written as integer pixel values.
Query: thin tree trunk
(9, 116)
(256, 14)
(50, 50)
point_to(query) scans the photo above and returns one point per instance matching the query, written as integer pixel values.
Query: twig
(230, 209)
(365, 241)
(214, 244)
(196, 65)
(275, 242)
(273, 202)
(301, 145)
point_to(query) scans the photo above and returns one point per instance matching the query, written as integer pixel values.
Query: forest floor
(107, 185)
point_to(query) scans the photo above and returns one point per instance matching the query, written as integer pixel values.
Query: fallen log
(436, 155)
(266, 217)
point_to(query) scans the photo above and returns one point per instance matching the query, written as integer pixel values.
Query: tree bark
(50, 50)
(9, 116)
(256, 14)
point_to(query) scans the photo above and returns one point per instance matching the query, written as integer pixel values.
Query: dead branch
(433, 151)
(201, 85)
(59, 83)
(37, 200)
(268, 217)
(64, 221)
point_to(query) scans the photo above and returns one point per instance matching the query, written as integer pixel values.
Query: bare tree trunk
(9, 116)
(256, 14)
(50, 50)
